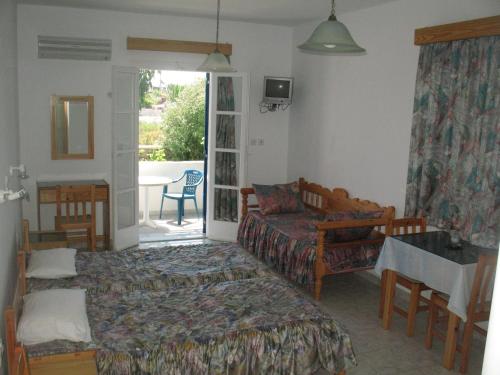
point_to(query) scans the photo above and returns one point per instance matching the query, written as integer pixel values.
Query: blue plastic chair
(193, 179)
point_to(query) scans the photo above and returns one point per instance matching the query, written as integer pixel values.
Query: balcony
(167, 228)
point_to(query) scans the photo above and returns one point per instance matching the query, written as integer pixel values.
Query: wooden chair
(75, 216)
(478, 310)
(399, 227)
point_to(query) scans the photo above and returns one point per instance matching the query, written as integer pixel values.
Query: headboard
(13, 312)
(26, 236)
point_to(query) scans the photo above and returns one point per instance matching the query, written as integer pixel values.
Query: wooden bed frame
(323, 200)
(78, 363)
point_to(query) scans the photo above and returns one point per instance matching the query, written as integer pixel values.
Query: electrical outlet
(253, 142)
(260, 141)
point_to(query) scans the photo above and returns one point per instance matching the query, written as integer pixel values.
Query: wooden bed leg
(317, 288)
(319, 266)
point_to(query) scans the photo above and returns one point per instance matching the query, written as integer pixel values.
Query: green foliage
(173, 92)
(184, 124)
(157, 155)
(151, 134)
(155, 96)
(145, 77)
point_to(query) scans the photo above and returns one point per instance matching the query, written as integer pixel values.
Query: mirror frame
(90, 127)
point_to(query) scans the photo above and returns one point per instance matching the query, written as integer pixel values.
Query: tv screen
(278, 90)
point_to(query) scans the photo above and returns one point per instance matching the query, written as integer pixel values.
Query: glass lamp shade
(216, 62)
(332, 37)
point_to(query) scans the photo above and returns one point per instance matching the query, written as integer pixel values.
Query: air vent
(50, 47)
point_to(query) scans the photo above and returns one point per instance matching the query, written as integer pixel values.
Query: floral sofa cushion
(282, 198)
(351, 234)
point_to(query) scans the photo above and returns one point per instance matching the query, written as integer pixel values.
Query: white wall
(351, 119)
(257, 49)
(10, 212)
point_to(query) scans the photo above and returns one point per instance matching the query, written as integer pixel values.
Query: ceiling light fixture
(216, 61)
(331, 37)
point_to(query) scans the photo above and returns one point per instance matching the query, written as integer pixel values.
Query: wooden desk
(46, 194)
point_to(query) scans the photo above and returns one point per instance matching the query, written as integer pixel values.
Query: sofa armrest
(245, 192)
(344, 224)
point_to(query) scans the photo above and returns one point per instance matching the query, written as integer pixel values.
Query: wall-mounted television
(278, 90)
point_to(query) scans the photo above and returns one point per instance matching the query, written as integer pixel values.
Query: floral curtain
(226, 169)
(454, 167)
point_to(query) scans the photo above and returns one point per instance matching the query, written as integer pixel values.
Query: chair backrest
(408, 225)
(193, 179)
(74, 199)
(482, 288)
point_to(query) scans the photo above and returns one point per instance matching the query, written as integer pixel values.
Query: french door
(125, 117)
(227, 139)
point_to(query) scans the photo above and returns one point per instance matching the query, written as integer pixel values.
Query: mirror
(72, 127)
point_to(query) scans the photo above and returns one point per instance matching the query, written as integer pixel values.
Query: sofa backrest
(339, 201)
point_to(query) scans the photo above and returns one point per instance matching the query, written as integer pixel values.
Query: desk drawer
(49, 195)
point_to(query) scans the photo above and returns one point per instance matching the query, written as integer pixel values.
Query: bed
(257, 325)
(154, 268)
(296, 244)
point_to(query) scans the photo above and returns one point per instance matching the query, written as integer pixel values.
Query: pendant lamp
(216, 61)
(331, 37)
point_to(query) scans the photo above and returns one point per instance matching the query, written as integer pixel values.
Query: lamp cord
(332, 15)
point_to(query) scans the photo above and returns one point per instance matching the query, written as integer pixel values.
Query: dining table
(431, 258)
(147, 182)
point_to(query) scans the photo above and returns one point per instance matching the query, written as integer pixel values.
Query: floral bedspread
(157, 268)
(257, 326)
(287, 242)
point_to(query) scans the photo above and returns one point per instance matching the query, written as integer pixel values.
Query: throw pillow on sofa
(281, 198)
(351, 234)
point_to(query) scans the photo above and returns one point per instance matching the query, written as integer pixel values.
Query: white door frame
(221, 230)
(125, 234)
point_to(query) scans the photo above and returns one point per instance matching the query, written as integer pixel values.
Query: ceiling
(278, 12)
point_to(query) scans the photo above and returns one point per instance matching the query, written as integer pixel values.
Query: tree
(173, 92)
(184, 124)
(145, 77)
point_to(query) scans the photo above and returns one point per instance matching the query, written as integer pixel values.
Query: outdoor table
(147, 182)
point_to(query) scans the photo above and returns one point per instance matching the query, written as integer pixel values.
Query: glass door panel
(228, 116)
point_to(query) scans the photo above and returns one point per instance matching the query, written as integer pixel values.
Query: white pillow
(55, 314)
(52, 264)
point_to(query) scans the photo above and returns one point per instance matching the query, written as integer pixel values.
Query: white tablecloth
(436, 272)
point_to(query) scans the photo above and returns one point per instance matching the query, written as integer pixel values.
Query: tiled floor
(353, 301)
(168, 229)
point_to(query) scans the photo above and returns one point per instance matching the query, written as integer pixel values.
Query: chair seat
(178, 195)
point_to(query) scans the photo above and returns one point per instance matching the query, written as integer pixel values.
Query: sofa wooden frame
(323, 200)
